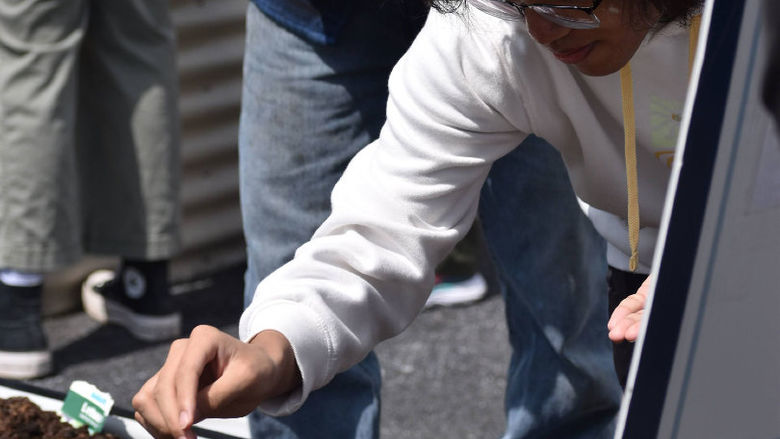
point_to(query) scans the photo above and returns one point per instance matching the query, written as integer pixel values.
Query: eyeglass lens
(568, 15)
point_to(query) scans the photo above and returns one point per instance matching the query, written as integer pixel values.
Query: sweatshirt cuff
(310, 342)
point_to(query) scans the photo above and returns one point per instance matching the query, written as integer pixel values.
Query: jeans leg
(348, 407)
(306, 111)
(552, 268)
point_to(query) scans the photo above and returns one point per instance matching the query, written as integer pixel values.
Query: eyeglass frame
(521, 7)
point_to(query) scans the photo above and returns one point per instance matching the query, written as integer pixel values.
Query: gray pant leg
(107, 68)
(128, 149)
(39, 221)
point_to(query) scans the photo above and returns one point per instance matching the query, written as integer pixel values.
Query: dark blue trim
(682, 239)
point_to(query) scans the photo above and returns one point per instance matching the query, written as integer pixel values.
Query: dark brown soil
(20, 418)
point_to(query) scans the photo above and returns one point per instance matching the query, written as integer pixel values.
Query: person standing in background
(314, 94)
(89, 162)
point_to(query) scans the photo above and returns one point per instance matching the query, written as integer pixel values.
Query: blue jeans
(306, 110)
(552, 267)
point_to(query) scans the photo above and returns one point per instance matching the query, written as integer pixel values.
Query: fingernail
(184, 421)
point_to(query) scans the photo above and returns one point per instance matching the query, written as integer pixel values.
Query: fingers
(248, 374)
(630, 305)
(154, 403)
(244, 379)
(206, 346)
(627, 329)
(168, 395)
(150, 427)
(232, 394)
(139, 400)
(626, 319)
(631, 333)
(212, 374)
(166, 404)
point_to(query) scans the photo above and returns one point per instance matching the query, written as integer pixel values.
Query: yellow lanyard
(629, 131)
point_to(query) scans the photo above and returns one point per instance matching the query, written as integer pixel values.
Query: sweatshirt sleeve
(399, 208)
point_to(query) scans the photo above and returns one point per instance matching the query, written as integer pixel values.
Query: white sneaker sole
(468, 291)
(25, 365)
(144, 327)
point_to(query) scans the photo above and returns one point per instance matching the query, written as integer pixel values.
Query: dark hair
(671, 10)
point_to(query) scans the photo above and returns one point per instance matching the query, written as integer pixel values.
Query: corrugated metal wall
(211, 47)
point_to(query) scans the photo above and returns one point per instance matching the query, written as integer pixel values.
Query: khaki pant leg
(39, 221)
(128, 151)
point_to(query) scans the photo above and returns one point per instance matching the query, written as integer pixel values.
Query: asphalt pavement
(443, 377)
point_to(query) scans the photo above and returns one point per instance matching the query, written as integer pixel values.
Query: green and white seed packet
(86, 405)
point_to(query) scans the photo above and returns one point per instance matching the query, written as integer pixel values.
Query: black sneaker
(149, 316)
(24, 352)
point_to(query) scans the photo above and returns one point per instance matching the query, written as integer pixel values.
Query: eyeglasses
(574, 14)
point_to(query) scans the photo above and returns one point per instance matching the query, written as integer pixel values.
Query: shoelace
(629, 132)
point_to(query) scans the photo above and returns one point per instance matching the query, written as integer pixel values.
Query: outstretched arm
(626, 320)
(212, 374)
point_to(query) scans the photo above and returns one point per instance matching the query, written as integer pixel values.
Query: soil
(20, 418)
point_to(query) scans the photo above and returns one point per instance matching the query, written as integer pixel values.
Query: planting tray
(120, 421)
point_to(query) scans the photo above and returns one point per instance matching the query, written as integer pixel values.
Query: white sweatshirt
(468, 91)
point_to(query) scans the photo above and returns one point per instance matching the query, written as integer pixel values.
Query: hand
(626, 320)
(212, 374)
